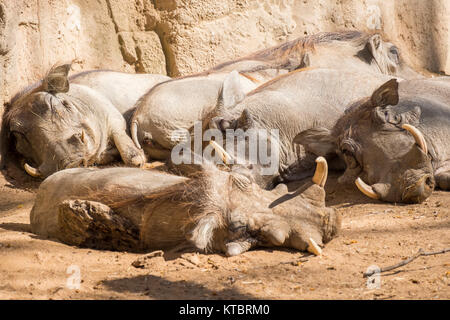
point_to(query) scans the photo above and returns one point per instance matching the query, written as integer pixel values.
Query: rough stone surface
(178, 37)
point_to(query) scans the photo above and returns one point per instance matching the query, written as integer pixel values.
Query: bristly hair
(279, 55)
(204, 197)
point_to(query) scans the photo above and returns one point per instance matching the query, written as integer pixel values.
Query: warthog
(376, 135)
(134, 209)
(64, 122)
(177, 104)
(290, 104)
(347, 50)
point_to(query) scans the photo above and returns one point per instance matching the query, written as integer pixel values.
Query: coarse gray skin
(133, 209)
(179, 103)
(293, 103)
(65, 122)
(371, 141)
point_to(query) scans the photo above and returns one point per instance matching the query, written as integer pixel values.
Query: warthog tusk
(321, 174)
(418, 136)
(313, 247)
(226, 157)
(134, 128)
(31, 171)
(366, 189)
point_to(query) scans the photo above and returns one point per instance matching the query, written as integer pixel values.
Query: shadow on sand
(159, 288)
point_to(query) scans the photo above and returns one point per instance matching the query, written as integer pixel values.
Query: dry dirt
(373, 233)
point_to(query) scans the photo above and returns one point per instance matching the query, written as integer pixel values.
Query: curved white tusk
(133, 129)
(226, 157)
(313, 247)
(366, 189)
(418, 136)
(32, 171)
(321, 174)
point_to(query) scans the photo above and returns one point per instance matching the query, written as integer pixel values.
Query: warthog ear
(318, 141)
(375, 44)
(245, 121)
(385, 95)
(232, 92)
(57, 79)
(375, 47)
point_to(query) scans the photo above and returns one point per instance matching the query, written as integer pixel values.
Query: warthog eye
(349, 149)
(19, 136)
(394, 50)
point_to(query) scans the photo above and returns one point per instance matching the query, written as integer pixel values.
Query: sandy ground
(373, 233)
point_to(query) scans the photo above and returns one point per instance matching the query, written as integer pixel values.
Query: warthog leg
(130, 154)
(443, 180)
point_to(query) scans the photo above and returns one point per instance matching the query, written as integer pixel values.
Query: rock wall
(177, 37)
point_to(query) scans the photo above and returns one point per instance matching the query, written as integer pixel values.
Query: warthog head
(46, 128)
(381, 145)
(239, 215)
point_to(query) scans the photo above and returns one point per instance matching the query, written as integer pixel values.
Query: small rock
(148, 259)
(194, 259)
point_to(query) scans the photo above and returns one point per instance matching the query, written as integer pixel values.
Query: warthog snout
(414, 191)
(419, 191)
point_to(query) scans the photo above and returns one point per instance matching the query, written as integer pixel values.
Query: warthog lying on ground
(66, 122)
(376, 138)
(348, 50)
(177, 104)
(134, 209)
(293, 103)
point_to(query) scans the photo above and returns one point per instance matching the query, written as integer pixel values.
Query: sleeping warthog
(347, 50)
(292, 103)
(134, 209)
(177, 104)
(66, 122)
(376, 136)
